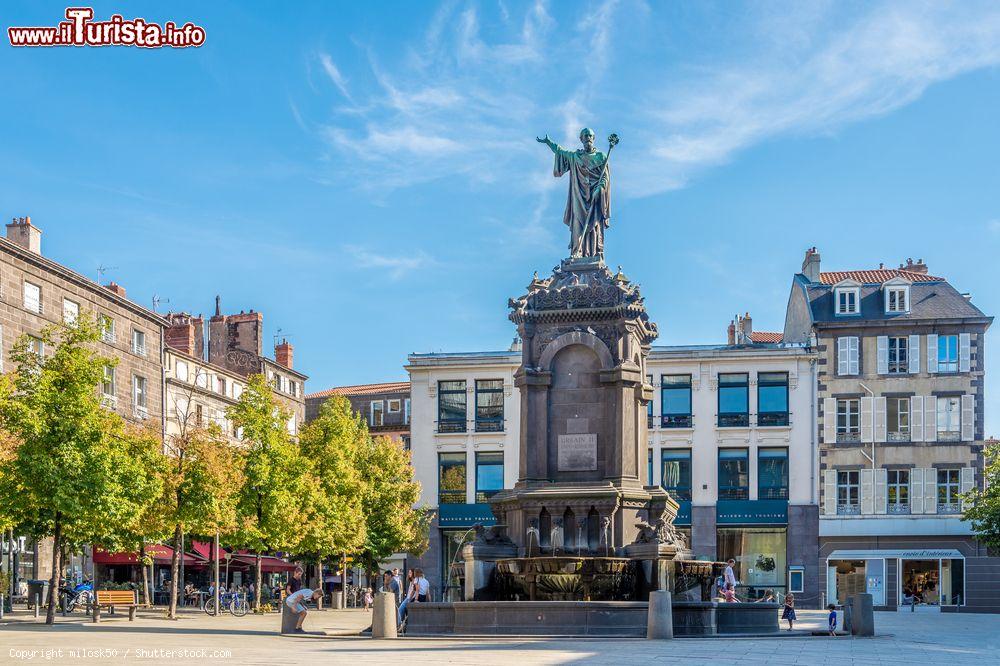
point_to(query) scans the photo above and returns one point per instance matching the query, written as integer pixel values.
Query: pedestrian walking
(368, 598)
(789, 611)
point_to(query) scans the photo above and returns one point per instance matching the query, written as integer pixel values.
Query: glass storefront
(925, 578)
(452, 565)
(760, 554)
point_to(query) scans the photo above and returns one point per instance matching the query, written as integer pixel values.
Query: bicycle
(234, 602)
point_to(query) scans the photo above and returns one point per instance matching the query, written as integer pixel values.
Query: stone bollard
(862, 615)
(288, 619)
(336, 602)
(384, 616)
(660, 620)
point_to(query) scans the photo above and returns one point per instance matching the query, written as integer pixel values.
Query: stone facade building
(36, 292)
(385, 407)
(900, 422)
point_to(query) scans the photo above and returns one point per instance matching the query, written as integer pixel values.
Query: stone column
(660, 621)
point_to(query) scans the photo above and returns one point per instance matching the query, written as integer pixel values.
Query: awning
(902, 554)
(268, 564)
(464, 515)
(204, 550)
(160, 553)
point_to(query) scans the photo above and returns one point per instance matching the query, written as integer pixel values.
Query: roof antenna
(280, 334)
(102, 269)
(157, 300)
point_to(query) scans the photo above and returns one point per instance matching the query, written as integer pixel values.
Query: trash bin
(38, 589)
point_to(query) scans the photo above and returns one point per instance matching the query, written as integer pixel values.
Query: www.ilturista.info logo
(81, 30)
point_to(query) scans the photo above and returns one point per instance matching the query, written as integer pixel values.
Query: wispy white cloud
(395, 266)
(334, 73)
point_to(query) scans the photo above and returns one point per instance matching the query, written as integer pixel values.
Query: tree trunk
(319, 580)
(343, 581)
(50, 614)
(145, 573)
(175, 570)
(260, 579)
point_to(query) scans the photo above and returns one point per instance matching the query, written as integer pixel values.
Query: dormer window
(847, 300)
(896, 293)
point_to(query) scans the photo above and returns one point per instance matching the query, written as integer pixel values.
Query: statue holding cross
(588, 207)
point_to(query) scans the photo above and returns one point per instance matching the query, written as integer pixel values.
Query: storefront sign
(752, 512)
(464, 515)
(912, 554)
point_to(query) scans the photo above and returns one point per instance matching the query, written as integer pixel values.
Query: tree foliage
(79, 473)
(983, 504)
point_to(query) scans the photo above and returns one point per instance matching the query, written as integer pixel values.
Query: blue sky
(367, 176)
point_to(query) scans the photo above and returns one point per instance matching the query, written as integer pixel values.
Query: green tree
(392, 523)
(79, 474)
(333, 520)
(204, 476)
(269, 503)
(982, 505)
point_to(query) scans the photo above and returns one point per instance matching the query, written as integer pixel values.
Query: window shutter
(968, 482)
(830, 492)
(917, 418)
(853, 369)
(829, 420)
(913, 358)
(968, 418)
(867, 491)
(881, 495)
(882, 354)
(916, 490)
(930, 419)
(867, 427)
(880, 426)
(842, 356)
(964, 352)
(930, 490)
(932, 353)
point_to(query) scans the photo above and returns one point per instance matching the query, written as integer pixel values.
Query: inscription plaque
(577, 453)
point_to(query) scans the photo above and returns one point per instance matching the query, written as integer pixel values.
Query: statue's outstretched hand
(546, 140)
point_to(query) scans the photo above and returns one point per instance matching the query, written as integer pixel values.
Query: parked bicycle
(234, 602)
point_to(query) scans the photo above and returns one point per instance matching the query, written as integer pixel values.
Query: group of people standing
(418, 590)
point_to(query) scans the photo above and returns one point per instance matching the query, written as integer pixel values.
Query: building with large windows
(730, 437)
(900, 419)
(385, 407)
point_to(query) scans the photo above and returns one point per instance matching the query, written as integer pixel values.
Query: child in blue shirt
(833, 619)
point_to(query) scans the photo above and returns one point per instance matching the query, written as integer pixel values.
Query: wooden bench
(113, 598)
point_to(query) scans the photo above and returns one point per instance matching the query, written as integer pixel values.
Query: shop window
(452, 565)
(848, 492)
(489, 475)
(675, 468)
(772, 399)
(451, 478)
(675, 401)
(772, 473)
(898, 490)
(489, 405)
(760, 554)
(733, 400)
(734, 474)
(451, 406)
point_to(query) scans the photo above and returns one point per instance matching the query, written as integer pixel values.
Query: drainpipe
(814, 443)
(872, 394)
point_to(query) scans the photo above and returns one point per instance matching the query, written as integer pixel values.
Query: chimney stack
(731, 331)
(283, 354)
(919, 267)
(21, 232)
(116, 288)
(747, 328)
(186, 333)
(810, 265)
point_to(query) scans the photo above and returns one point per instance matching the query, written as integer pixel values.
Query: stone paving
(904, 638)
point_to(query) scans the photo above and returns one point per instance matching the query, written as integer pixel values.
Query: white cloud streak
(395, 266)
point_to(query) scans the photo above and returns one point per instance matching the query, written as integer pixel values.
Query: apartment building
(385, 407)
(900, 423)
(36, 292)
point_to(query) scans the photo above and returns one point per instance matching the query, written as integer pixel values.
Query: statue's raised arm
(588, 209)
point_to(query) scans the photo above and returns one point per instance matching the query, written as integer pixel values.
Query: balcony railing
(452, 425)
(849, 437)
(680, 494)
(902, 508)
(451, 497)
(676, 421)
(949, 507)
(765, 419)
(734, 493)
(848, 509)
(489, 425)
(898, 436)
(483, 496)
(777, 493)
(649, 421)
(949, 436)
(734, 420)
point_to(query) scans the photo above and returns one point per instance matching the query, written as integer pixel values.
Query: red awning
(161, 555)
(268, 564)
(204, 550)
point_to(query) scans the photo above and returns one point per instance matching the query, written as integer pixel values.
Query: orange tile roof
(363, 389)
(875, 276)
(766, 336)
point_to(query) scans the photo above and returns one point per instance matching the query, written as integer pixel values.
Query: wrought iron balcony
(452, 425)
(451, 497)
(489, 425)
(949, 436)
(902, 508)
(849, 437)
(765, 419)
(676, 421)
(848, 509)
(898, 436)
(949, 507)
(734, 420)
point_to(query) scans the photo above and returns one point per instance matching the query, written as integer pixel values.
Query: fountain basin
(564, 578)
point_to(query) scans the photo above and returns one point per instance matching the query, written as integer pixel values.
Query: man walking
(729, 581)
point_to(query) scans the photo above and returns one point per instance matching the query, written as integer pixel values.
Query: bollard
(660, 618)
(38, 602)
(1, 605)
(862, 615)
(384, 616)
(288, 619)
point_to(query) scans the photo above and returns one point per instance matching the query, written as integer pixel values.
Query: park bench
(113, 598)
